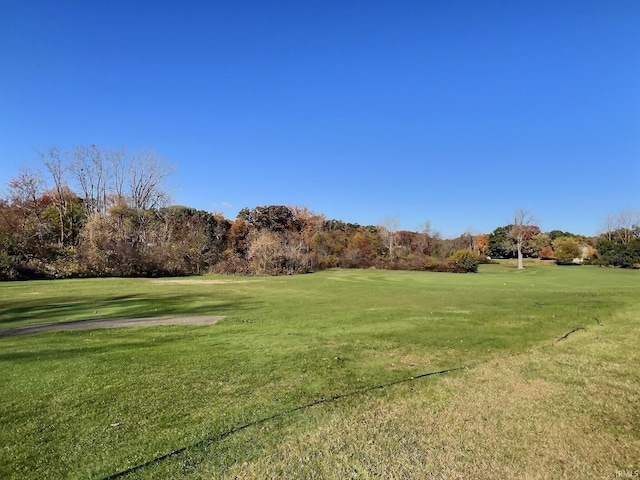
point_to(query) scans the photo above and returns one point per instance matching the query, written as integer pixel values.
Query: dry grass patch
(196, 281)
(494, 421)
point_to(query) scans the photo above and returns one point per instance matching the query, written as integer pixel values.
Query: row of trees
(97, 212)
(618, 246)
(86, 207)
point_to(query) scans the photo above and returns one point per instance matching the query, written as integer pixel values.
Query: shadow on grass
(19, 313)
(49, 352)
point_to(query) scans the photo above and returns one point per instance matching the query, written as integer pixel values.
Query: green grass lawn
(92, 403)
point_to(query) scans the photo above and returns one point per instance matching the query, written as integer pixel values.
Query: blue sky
(456, 112)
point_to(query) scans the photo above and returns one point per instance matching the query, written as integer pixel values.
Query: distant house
(587, 252)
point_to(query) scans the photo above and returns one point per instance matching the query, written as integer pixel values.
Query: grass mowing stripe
(208, 441)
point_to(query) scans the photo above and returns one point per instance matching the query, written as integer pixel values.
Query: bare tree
(119, 165)
(610, 226)
(388, 230)
(25, 191)
(628, 223)
(429, 239)
(57, 165)
(91, 171)
(623, 226)
(523, 222)
(147, 175)
(469, 239)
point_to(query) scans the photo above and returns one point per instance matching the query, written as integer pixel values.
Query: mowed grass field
(323, 376)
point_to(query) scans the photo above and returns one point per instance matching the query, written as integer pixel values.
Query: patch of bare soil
(111, 323)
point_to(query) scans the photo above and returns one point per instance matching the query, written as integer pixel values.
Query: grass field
(226, 398)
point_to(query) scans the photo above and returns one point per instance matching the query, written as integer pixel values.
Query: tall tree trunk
(520, 266)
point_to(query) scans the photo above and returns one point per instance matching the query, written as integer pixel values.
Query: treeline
(178, 240)
(618, 246)
(97, 212)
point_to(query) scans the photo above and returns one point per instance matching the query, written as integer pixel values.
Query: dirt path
(111, 323)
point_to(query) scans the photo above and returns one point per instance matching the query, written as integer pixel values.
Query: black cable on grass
(569, 333)
(208, 441)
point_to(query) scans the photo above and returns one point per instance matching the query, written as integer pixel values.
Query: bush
(547, 253)
(232, 266)
(619, 255)
(566, 249)
(7, 270)
(412, 262)
(463, 261)
(484, 260)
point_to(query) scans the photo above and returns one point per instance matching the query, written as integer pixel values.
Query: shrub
(483, 259)
(412, 262)
(232, 266)
(463, 261)
(566, 249)
(7, 270)
(618, 254)
(546, 253)
(433, 264)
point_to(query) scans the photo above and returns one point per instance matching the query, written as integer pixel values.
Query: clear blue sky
(457, 112)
